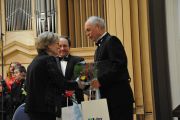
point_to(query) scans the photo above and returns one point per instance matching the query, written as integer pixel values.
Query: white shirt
(63, 66)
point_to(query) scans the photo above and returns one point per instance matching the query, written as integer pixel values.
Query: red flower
(69, 93)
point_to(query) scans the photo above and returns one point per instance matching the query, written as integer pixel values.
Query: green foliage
(89, 70)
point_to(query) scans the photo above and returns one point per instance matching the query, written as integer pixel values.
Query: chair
(20, 114)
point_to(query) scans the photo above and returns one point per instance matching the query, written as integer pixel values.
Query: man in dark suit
(113, 78)
(66, 65)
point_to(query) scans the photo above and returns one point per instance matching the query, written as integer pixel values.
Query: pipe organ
(18, 15)
(45, 16)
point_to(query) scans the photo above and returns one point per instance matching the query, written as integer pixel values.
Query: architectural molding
(16, 47)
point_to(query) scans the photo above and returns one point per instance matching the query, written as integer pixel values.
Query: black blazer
(72, 61)
(112, 72)
(44, 85)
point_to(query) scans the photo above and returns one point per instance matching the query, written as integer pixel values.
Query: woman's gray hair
(45, 39)
(95, 20)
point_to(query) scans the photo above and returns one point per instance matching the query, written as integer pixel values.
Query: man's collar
(99, 40)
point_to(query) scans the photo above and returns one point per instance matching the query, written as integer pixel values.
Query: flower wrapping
(85, 71)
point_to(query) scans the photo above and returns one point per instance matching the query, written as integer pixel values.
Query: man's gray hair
(45, 39)
(95, 20)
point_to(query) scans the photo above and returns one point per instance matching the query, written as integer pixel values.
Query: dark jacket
(112, 72)
(44, 85)
(71, 62)
(17, 95)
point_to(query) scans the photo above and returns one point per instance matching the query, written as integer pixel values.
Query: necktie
(65, 58)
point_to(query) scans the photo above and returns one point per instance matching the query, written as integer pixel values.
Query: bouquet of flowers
(85, 72)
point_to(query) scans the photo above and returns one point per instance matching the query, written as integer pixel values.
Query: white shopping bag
(72, 112)
(95, 110)
(94, 94)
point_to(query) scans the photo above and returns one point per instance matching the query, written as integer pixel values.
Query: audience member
(10, 74)
(3, 102)
(15, 97)
(17, 88)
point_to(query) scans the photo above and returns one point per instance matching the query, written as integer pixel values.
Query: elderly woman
(44, 85)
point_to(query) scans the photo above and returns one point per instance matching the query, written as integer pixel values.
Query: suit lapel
(98, 52)
(59, 65)
(68, 66)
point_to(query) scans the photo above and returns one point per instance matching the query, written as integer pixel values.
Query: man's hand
(80, 84)
(95, 84)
